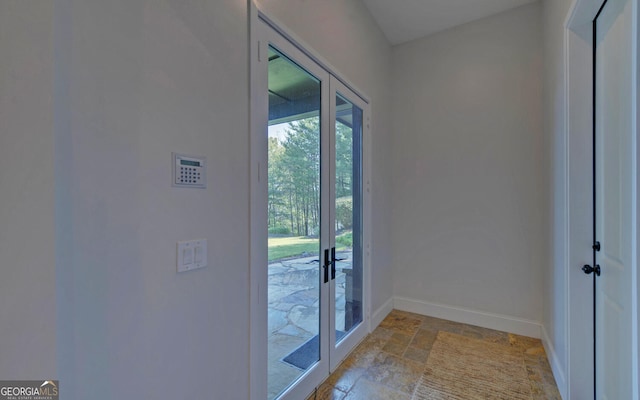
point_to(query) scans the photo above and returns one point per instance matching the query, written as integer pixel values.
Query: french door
(348, 119)
(312, 195)
(614, 175)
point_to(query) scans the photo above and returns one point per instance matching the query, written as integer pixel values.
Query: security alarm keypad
(189, 171)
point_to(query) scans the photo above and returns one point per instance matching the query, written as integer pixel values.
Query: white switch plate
(192, 254)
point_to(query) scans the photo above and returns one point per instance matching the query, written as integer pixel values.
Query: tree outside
(294, 187)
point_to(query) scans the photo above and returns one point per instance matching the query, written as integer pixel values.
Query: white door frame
(577, 192)
(258, 119)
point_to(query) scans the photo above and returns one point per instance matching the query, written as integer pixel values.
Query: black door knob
(588, 269)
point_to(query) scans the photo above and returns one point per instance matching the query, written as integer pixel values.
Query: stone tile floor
(388, 364)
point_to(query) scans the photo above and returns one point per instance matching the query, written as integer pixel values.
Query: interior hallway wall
(27, 240)
(470, 167)
(555, 287)
(345, 35)
(135, 81)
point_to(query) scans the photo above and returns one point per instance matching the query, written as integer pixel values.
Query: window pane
(348, 217)
(294, 221)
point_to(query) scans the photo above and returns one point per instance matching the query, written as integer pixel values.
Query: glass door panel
(294, 202)
(349, 124)
(348, 217)
(311, 200)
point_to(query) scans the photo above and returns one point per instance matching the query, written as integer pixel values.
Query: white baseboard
(472, 317)
(555, 364)
(381, 313)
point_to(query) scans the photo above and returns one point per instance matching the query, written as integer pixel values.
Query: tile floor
(389, 362)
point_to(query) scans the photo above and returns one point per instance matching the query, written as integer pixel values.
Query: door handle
(588, 269)
(333, 263)
(325, 266)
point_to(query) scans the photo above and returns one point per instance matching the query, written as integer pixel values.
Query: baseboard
(472, 317)
(381, 313)
(558, 374)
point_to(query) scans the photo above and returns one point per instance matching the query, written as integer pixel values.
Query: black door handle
(325, 266)
(333, 263)
(588, 269)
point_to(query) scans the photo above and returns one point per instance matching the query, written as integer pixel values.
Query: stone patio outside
(293, 312)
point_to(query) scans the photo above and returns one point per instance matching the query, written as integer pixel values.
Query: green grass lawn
(287, 247)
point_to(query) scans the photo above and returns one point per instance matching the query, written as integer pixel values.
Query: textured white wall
(344, 34)
(470, 167)
(27, 241)
(137, 80)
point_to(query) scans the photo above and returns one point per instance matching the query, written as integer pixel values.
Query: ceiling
(405, 20)
(294, 94)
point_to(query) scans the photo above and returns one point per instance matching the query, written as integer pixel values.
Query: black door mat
(308, 353)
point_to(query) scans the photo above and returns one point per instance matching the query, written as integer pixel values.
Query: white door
(297, 205)
(312, 198)
(349, 128)
(613, 200)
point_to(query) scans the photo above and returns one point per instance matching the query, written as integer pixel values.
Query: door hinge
(596, 246)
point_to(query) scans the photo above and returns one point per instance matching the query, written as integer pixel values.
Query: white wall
(470, 167)
(555, 288)
(27, 241)
(344, 34)
(136, 80)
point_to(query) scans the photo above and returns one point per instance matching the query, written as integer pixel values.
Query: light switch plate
(192, 254)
